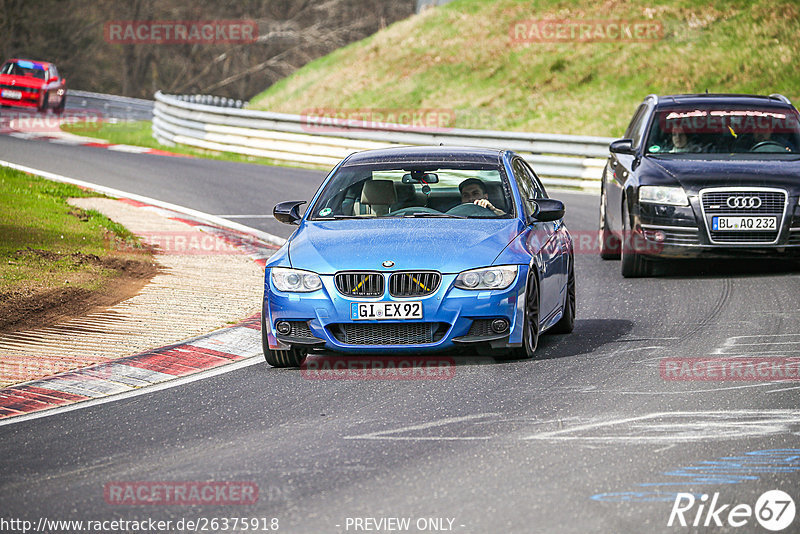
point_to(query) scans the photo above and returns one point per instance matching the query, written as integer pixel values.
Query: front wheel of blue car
(293, 357)
(567, 322)
(530, 331)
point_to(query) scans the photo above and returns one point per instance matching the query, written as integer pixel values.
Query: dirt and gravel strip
(203, 283)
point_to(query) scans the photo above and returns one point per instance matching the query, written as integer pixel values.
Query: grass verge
(54, 258)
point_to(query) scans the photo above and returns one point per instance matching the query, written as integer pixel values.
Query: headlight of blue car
(499, 277)
(295, 280)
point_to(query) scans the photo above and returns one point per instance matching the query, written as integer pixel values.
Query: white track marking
(70, 142)
(668, 447)
(384, 434)
(768, 343)
(783, 389)
(742, 346)
(685, 427)
(692, 391)
(667, 428)
(765, 336)
(620, 351)
(129, 148)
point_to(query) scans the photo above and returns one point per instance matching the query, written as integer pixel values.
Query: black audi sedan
(705, 175)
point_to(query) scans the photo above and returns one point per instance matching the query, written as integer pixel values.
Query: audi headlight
(295, 280)
(657, 194)
(487, 278)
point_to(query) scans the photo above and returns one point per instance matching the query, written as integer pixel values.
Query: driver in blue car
(473, 191)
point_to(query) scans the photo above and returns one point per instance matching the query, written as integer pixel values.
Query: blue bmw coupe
(416, 249)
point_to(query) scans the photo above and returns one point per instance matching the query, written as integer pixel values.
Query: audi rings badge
(744, 202)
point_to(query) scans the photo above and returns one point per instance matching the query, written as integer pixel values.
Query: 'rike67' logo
(774, 510)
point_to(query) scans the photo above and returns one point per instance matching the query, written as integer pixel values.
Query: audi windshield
(765, 132)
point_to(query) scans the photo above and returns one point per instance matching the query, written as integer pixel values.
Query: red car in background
(32, 84)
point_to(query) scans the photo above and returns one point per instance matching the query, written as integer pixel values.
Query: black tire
(610, 244)
(45, 102)
(566, 324)
(530, 332)
(59, 110)
(633, 264)
(293, 357)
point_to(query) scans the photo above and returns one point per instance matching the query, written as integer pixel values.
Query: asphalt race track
(592, 436)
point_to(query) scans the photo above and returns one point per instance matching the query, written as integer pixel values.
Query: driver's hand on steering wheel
(484, 203)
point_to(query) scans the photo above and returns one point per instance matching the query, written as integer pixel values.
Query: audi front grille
(762, 202)
(742, 202)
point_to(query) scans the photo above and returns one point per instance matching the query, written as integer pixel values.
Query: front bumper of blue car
(450, 316)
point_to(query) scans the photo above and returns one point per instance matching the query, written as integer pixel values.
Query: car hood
(21, 81)
(695, 174)
(446, 245)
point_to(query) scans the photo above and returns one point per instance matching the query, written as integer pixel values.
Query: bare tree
(290, 34)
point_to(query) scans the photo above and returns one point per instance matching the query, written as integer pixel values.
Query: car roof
(665, 101)
(426, 154)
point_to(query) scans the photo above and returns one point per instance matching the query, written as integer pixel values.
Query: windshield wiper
(338, 216)
(425, 214)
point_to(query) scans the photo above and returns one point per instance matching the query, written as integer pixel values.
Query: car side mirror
(288, 212)
(548, 209)
(622, 146)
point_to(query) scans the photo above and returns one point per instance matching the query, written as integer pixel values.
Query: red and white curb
(127, 374)
(65, 138)
(224, 350)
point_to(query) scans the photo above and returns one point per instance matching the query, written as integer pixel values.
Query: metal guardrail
(111, 106)
(560, 160)
(211, 100)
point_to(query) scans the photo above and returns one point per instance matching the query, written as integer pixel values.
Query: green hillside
(461, 57)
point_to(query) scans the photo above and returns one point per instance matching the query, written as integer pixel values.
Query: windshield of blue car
(766, 132)
(363, 191)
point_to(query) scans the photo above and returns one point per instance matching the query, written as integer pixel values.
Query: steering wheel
(469, 209)
(768, 143)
